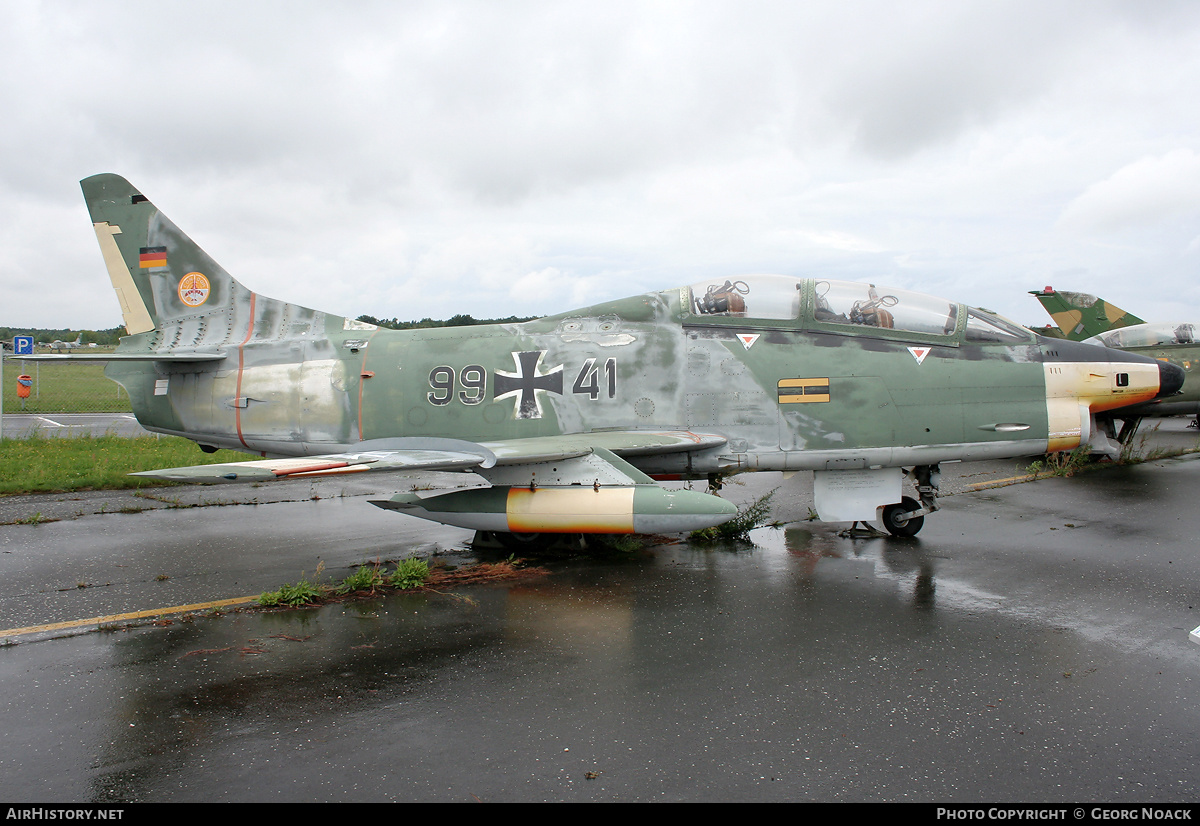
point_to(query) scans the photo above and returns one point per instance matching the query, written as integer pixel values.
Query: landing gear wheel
(519, 541)
(897, 524)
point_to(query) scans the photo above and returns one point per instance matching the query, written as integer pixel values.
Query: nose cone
(1170, 379)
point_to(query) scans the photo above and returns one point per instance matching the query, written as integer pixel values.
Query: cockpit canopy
(851, 304)
(1146, 335)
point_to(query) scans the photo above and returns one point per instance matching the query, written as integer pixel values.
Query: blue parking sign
(22, 345)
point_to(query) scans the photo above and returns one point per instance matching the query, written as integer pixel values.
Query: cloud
(423, 158)
(1150, 191)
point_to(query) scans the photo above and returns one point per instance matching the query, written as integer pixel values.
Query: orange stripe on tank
(579, 509)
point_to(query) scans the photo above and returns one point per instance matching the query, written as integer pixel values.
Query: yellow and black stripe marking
(800, 391)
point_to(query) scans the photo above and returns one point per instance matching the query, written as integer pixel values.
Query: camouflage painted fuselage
(566, 416)
(786, 394)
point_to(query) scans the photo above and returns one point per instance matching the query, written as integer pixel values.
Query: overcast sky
(497, 158)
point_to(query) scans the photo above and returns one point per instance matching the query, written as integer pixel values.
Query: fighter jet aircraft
(572, 419)
(59, 344)
(1084, 317)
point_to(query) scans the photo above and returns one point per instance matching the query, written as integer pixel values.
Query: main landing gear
(898, 519)
(907, 517)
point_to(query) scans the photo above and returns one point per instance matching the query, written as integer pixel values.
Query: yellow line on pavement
(1010, 479)
(132, 615)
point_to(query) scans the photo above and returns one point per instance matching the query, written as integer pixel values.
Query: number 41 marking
(588, 381)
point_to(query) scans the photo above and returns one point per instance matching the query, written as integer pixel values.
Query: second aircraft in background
(1084, 317)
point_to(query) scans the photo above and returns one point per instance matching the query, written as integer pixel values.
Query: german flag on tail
(152, 257)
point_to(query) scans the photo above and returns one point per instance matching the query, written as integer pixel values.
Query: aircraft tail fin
(1080, 315)
(168, 287)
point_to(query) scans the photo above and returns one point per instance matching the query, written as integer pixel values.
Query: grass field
(42, 464)
(62, 387)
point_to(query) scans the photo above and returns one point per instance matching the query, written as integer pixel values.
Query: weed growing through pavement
(409, 573)
(754, 515)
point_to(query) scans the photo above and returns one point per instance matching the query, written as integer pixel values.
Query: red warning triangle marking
(919, 353)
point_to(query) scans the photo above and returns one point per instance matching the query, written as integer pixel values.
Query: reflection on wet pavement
(1030, 644)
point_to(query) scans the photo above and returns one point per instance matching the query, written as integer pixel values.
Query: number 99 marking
(472, 378)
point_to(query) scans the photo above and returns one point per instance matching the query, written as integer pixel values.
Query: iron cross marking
(524, 384)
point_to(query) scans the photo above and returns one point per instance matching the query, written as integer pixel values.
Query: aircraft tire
(519, 541)
(896, 524)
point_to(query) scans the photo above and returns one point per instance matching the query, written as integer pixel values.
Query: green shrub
(366, 578)
(409, 573)
(738, 529)
(302, 593)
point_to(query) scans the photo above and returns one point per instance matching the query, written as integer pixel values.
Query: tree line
(112, 336)
(454, 321)
(44, 335)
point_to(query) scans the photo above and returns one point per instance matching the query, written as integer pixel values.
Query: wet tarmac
(1031, 645)
(24, 425)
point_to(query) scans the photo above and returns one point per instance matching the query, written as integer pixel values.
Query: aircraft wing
(443, 454)
(621, 442)
(330, 464)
